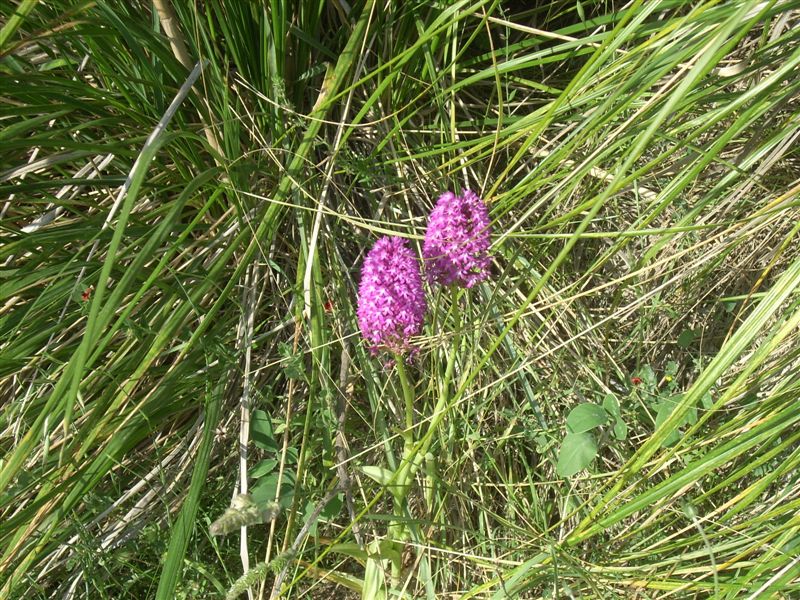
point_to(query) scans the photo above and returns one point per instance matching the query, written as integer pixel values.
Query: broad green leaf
(665, 408)
(586, 417)
(611, 404)
(577, 452)
(261, 431)
(686, 338)
(264, 491)
(262, 468)
(332, 508)
(620, 429)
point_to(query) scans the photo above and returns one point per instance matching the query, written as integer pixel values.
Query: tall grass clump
(601, 404)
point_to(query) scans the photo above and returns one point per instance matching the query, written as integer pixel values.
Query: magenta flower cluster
(391, 301)
(456, 249)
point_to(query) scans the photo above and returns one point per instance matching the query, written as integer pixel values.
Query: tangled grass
(180, 260)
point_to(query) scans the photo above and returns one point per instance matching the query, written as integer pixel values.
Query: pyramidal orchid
(391, 302)
(456, 249)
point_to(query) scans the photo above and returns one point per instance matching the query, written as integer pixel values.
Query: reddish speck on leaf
(87, 293)
(636, 380)
(328, 306)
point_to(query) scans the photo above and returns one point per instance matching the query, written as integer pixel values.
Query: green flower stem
(397, 531)
(408, 397)
(403, 484)
(408, 468)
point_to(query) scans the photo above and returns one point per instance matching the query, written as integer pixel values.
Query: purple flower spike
(391, 302)
(456, 249)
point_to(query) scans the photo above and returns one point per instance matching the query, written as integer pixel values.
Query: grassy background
(167, 300)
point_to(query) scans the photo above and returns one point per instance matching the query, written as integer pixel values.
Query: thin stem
(403, 484)
(408, 397)
(408, 468)
(397, 529)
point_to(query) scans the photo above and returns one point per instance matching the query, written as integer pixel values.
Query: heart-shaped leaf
(577, 452)
(261, 431)
(585, 417)
(620, 429)
(665, 408)
(611, 404)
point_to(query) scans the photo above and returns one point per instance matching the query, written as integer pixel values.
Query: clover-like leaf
(585, 417)
(577, 452)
